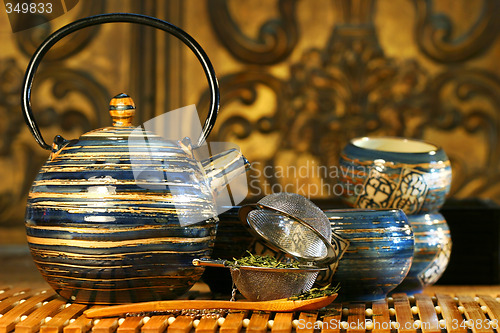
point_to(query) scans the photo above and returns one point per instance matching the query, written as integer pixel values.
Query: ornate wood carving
(276, 39)
(28, 40)
(435, 32)
(350, 88)
(469, 100)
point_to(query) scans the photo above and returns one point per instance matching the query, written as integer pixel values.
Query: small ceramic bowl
(392, 172)
(432, 252)
(379, 255)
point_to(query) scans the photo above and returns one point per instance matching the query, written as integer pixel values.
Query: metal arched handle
(127, 18)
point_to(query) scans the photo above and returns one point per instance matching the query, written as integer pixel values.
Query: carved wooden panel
(309, 76)
(298, 80)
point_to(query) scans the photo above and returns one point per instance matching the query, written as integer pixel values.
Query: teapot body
(118, 215)
(104, 227)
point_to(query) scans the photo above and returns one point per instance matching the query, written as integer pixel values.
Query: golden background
(298, 79)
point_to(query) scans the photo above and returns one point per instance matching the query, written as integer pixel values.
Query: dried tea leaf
(260, 261)
(317, 292)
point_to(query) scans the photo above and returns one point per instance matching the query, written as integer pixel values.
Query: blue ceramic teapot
(119, 214)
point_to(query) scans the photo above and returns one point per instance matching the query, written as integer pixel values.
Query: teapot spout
(222, 168)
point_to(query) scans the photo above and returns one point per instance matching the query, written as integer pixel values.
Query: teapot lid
(123, 133)
(122, 112)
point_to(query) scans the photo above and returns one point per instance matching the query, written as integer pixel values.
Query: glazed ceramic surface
(432, 252)
(101, 232)
(392, 172)
(379, 255)
(119, 214)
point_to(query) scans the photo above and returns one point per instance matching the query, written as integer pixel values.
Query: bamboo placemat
(25, 310)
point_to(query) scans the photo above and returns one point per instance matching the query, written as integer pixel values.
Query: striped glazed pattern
(432, 252)
(118, 215)
(379, 255)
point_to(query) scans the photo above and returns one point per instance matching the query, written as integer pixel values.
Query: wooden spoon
(280, 305)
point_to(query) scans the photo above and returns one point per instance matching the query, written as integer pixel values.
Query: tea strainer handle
(123, 18)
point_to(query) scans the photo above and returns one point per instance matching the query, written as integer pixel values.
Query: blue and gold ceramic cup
(392, 172)
(380, 252)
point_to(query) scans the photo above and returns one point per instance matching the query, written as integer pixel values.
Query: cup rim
(419, 146)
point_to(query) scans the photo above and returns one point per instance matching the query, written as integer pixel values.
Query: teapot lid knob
(122, 110)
